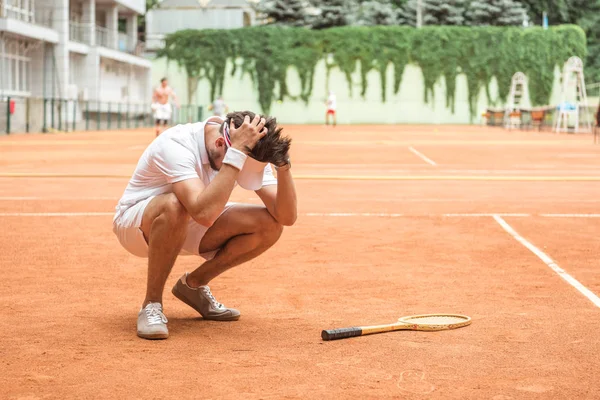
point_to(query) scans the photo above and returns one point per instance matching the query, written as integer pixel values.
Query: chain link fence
(31, 115)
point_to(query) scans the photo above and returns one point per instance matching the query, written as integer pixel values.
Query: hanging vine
(481, 53)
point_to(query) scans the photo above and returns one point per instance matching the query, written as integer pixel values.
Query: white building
(175, 15)
(85, 50)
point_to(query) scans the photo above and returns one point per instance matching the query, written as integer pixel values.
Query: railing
(125, 43)
(78, 32)
(25, 10)
(29, 114)
(43, 16)
(103, 37)
(17, 9)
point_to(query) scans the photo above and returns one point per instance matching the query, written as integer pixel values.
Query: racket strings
(435, 320)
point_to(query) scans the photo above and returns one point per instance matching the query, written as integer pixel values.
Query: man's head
(164, 82)
(272, 148)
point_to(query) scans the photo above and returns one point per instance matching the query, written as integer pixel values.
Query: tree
(150, 4)
(585, 13)
(556, 10)
(332, 13)
(376, 12)
(284, 12)
(435, 12)
(495, 12)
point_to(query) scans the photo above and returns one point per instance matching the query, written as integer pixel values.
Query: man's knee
(174, 211)
(269, 227)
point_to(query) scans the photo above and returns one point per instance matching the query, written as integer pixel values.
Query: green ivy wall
(380, 74)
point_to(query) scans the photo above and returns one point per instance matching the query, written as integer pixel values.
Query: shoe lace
(154, 314)
(211, 298)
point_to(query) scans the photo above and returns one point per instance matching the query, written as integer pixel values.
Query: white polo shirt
(177, 154)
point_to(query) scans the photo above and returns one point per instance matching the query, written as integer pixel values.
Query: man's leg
(240, 234)
(164, 225)
(157, 126)
(334, 118)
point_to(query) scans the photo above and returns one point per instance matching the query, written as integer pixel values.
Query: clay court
(499, 225)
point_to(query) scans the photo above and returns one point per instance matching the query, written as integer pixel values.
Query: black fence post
(52, 111)
(59, 115)
(74, 114)
(8, 116)
(27, 114)
(44, 125)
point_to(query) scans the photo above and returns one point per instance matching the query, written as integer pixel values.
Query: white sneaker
(152, 323)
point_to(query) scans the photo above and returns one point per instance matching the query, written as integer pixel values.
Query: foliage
(333, 13)
(481, 53)
(375, 12)
(495, 13)
(585, 13)
(435, 12)
(284, 12)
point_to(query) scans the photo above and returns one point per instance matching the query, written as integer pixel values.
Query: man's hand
(245, 137)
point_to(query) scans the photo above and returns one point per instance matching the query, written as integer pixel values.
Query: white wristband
(235, 158)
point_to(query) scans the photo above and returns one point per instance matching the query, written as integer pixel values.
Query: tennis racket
(424, 322)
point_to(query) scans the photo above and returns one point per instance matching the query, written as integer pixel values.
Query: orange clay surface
(381, 233)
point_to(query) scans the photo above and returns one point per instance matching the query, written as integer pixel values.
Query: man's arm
(154, 96)
(281, 200)
(205, 203)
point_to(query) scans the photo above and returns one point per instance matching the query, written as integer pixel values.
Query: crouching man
(177, 203)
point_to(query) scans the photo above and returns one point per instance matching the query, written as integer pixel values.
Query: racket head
(435, 322)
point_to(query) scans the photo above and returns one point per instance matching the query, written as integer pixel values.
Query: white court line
(422, 156)
(413, 215)
(56, 214)
(353, 215)
(487, 215)
(314, 214)
(549, 262)
(21, 198)
(571, 215)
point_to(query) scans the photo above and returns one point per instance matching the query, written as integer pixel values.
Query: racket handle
(342, 333)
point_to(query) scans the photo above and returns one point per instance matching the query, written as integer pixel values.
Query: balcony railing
(124, 42)
(25, 10)
(78, 32)
(103, 37)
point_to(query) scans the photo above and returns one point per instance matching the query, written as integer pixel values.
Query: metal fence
(29, 115)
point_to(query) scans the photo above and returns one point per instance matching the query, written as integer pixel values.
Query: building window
(15, 66)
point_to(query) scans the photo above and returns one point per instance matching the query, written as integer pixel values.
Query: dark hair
(162, 80)
(273, 147)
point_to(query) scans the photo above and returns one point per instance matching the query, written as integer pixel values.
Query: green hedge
(481, 53)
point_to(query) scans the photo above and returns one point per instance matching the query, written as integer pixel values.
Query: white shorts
(162, 111)
(127, 228)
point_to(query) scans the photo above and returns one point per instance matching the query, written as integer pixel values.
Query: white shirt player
(331, 101)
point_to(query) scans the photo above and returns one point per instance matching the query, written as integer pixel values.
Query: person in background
(218, 107)
(331, 108)
(161, 105)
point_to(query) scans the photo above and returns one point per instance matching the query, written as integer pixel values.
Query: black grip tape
(342, 333)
